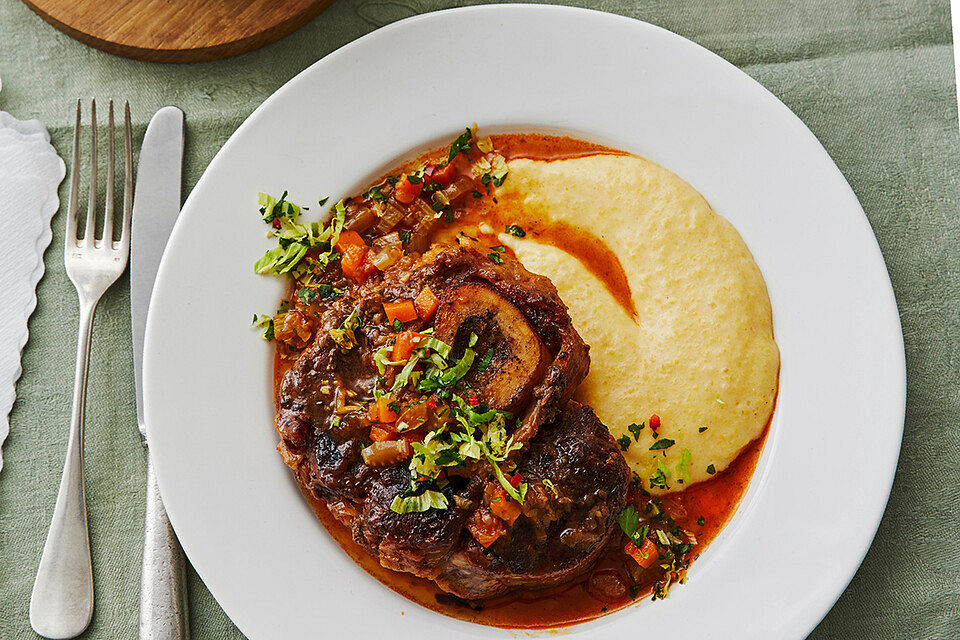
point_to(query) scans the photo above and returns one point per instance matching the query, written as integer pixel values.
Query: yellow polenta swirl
(701, 352)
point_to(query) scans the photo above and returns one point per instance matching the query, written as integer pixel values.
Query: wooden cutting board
(177, 30)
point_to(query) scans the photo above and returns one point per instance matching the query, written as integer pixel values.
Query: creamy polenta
(696, 349)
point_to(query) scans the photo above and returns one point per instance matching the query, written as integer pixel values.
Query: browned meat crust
(559, 533)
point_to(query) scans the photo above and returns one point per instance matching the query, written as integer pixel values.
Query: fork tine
(70, 236)
(107, 236)
(127, 175)
(89, 231)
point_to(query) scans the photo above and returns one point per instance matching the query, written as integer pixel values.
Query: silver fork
(61, 604)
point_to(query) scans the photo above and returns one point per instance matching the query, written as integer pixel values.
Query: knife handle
(163, 581)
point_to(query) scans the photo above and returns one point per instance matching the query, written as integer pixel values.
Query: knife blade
(156, 204)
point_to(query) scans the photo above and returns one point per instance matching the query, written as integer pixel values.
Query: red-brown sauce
(712, 502)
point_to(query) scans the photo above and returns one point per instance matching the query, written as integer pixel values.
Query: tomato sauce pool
(711, 503)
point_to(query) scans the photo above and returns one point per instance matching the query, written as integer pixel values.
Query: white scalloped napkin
(30, 173)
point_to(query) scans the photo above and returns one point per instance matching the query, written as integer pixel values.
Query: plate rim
(839, 585)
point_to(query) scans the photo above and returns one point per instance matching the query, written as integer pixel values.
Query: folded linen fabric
(30, 174)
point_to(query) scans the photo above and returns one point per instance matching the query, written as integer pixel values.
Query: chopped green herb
(485, 360)
(635, 429)
(515, 231)
(477, 194)
(429, 499)
(306, 294)
(624, 442)
(495, 257)
(397, 325)
(702, 429)
(461, 144)
(701, 521)
(323, 201)
(683, 468)
(499, 248)
(413, 178)
(711, 469)
(660, 477)
(265, 322)
(634, 591)
(662, 443)
(405, 235)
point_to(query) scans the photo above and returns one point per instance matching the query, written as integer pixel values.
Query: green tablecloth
(873, 80)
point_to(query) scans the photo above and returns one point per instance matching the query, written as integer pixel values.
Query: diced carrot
(353, 254)
(405, 191)
(501, 505)
(384, 412)
(382, 433)
(404, 311)
(645, 555)
(350, 239)
(444, 174)
(426, 303)
(406, 342)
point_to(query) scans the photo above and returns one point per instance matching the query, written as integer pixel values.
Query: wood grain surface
(177, 30)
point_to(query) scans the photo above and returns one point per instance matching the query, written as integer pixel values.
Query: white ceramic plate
(823, 479)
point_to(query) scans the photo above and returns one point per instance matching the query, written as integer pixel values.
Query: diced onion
(458, 188)
(387, 257)
(379, 454)
(391, 216)
(361, 221)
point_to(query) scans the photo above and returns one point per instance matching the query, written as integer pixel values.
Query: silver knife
(156, 204)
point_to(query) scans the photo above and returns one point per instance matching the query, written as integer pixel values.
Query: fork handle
(61, 604)
(163, 601)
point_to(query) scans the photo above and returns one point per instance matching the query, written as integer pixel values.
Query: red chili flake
(655, 422)
(276, 223)
(431, 403)
(473, 400)
(515, 480)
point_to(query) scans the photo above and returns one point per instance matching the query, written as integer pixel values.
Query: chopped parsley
(701, 521)
(461, 144)
(515, 230)
(476, 194)
(629, 521)
(660, 477)
(624, 442)
(405, 235)
(495, 257)
(306, 294)
(662, 443)
(499, 248)
(635, 429)
(702, 429)
(397, 325)
(711, 469)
